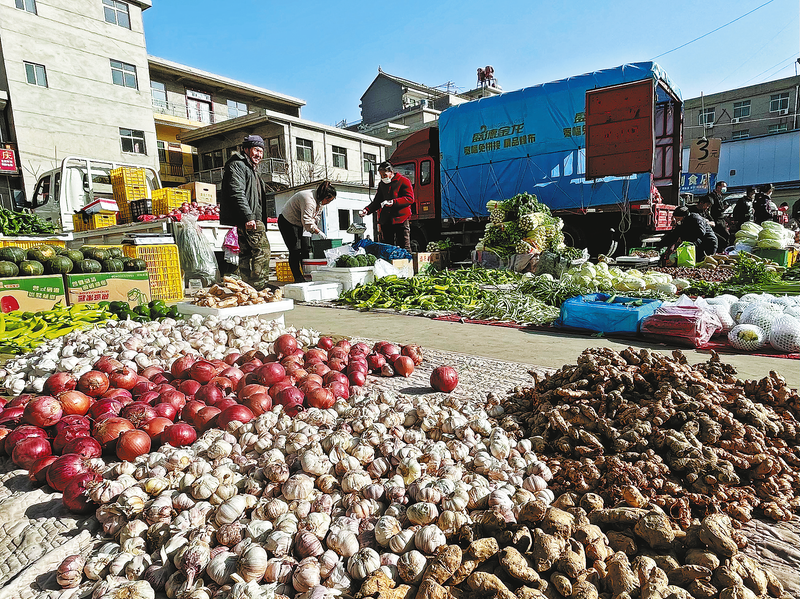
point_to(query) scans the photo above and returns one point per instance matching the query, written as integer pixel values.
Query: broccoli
(371, 260)
(362, 260)
(346, 261)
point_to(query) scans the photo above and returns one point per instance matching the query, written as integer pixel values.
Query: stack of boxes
(128, 184)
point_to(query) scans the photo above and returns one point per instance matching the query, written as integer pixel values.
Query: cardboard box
(202, 193)
(438, 260)
(90, 288)
(31, 294)
(406, 268)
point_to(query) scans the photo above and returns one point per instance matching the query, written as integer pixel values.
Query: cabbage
(681, 284)
(749, 228)
(771, 244)
(785, 334)
(667, 288)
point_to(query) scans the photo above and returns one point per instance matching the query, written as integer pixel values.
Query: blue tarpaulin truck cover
(533, 140)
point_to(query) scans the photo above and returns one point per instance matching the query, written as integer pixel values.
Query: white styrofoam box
(348, 277)
(310, 266)
(312, 292)
(101, 205)
(270, 310)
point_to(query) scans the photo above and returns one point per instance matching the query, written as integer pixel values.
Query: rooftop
(414, 85)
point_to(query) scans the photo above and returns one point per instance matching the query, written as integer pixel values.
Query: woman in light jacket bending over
(302, 213)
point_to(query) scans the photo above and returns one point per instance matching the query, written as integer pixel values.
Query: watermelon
(93, 253)
(12, 253)
(112, 265)
(31, 268)
(74, 255)
(135, 264)
(88, 266)
(8, 269)
(58, 265)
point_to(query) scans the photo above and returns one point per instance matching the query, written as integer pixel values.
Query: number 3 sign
(704, 156)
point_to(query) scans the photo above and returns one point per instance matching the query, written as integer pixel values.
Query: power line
(715, 30)
(757, 52)
(770, 68)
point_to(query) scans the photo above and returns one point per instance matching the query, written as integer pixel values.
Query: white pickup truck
(61, 192)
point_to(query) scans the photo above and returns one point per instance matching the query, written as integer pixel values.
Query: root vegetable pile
(234, 292)
(693, 440)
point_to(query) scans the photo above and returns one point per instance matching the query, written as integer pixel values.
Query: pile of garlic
(309, 505)
(141, 345)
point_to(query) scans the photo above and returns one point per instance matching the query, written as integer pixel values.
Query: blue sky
(327, 53)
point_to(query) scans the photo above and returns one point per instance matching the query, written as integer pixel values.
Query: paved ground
(529, 347)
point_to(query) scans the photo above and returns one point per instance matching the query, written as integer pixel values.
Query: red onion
(109, 430)
(253, 354)
(320, 369)
(59, 382)
(43, 411)
(337, 364)
(287, 396)
(162, 377)
(142, 386)
(67, 435)
(180, 367)
(258, 403)
(209, 394)
(37, 473)
(225, 385)
(119, 394)
(75, 498)
(271, 373)
(375, 361)
(444, 379)
(344, 344)
(73, 420)
(231, 358)
(179, 435)
(226, 403)
(359, 348)
(308, 384)
(161, 388)
(11, 416)
(123, 378)
(414, 352)
(233, 374)
(334, 376)
(338, 353)
(340, 389)
(138, 413)
(107, 364)
(403, 365)
(149, 397)
(285, 344)
(250, 367)
(21, 400)
(297, 374)
(189, 387)
(27, 451)
(87, 447)
(293, 409)
(320, 398)
(166, 410)
(357, 378)
(191, 408)
(207, 418)
(389, 349)
(237, 413)
(325, 343)
(64, 469)
(219, 364)
(151, 371)
(277, 387)
(155, 427)
(20, 433)
(104, 406)
(132, 444)
(93, 383)
(202, 371)
(75, 402)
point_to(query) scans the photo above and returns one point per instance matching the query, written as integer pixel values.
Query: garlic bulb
(422, 513)
(385, 528)
(298, 486)
(428, 538)
(222, 566)
(343, 542)
(307, 544)
(252, 563)
(306, 576)
(136, 589)
(411, 566)
(231, 510)
(70, 571)
(402, 541)
(279, 569)
(363, 563)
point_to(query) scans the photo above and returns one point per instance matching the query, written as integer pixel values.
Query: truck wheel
(573, 236)
(418, 240)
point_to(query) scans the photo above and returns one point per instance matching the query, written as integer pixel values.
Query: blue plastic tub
(594, 313)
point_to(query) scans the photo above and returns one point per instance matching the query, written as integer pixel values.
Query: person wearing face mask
(717, 208)
(241, 206)
(393, 200)
(763, 207)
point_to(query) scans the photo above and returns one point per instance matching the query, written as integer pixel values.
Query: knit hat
(681, 211)
(253, 141)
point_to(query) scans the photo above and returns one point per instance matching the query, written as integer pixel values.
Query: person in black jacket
(743, 210)
(692, 228)
(241, 206)
(763, 207)
(717, 207)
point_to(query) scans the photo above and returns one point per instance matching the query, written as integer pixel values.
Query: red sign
(8, 162)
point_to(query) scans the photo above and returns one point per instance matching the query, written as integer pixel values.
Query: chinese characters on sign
(97, 296)
(704, 155)
(576, 130)
(511, 136)
(8, 162)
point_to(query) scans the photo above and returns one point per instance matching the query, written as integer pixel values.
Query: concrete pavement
(514, 345)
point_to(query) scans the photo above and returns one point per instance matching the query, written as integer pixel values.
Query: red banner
(8, 161)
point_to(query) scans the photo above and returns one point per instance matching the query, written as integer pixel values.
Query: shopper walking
(241, 206)
(302, 213)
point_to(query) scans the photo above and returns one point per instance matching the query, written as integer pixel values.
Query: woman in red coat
(393, 201)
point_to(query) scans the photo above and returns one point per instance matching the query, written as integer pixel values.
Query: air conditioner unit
(710, 125)
(784, 111)
(735, 120)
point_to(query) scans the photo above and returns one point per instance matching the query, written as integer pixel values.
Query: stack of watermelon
(46, 259)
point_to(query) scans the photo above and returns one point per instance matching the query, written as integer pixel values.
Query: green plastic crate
(318, 246)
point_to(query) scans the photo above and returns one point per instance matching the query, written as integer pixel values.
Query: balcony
(173, 170)
(268, 166)
(182, 111)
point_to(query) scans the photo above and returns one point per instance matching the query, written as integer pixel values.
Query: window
(274, 148)
(236, 109)
(370, 160)
(407, 170)
(199, 107)
(339, 157)
(741, 134)
(741, 109)
(117, 13)
(36, 74)
(425, 172)
(778, 102)
(123, 74)
(706, 117)
(344, 219)
(29, 5)
(159, 93)
(305, 150)
(357, 218)
(162, 152)
(782, 128)
(132, 141)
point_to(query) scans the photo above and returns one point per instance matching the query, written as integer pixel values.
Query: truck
(602, 150)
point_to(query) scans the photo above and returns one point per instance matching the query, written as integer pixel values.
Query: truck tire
(419, 241)
(573, 236)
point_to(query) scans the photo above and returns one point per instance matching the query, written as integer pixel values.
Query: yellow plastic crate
(29, 243)
(169, 198)
(124, 197)
(126, 176)
(91, 222)
(163, 266)
(283, 272)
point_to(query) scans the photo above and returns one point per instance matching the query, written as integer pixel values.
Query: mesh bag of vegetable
(762, 315)
(785, 334)
(747, 337)
(724, 315)
(738, 308)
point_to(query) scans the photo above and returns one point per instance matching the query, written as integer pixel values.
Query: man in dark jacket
(743, 210)
(393, 201)
(717, 208)
(694, 229)
(763, 207)
(241, 206)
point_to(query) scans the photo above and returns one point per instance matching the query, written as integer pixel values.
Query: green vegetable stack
(350, 261)
(49, 260)
(154, 310)
(23, 223)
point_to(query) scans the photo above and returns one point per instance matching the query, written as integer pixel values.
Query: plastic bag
(230, 246)
(384, 269)
(195, 252)
(686, 325)
(333, 253)
(686, 254)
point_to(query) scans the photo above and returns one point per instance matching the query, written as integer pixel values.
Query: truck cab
(61, 192)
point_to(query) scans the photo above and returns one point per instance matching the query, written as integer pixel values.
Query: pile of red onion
(115, 411)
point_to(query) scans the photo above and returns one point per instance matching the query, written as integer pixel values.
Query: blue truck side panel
(532, 140)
